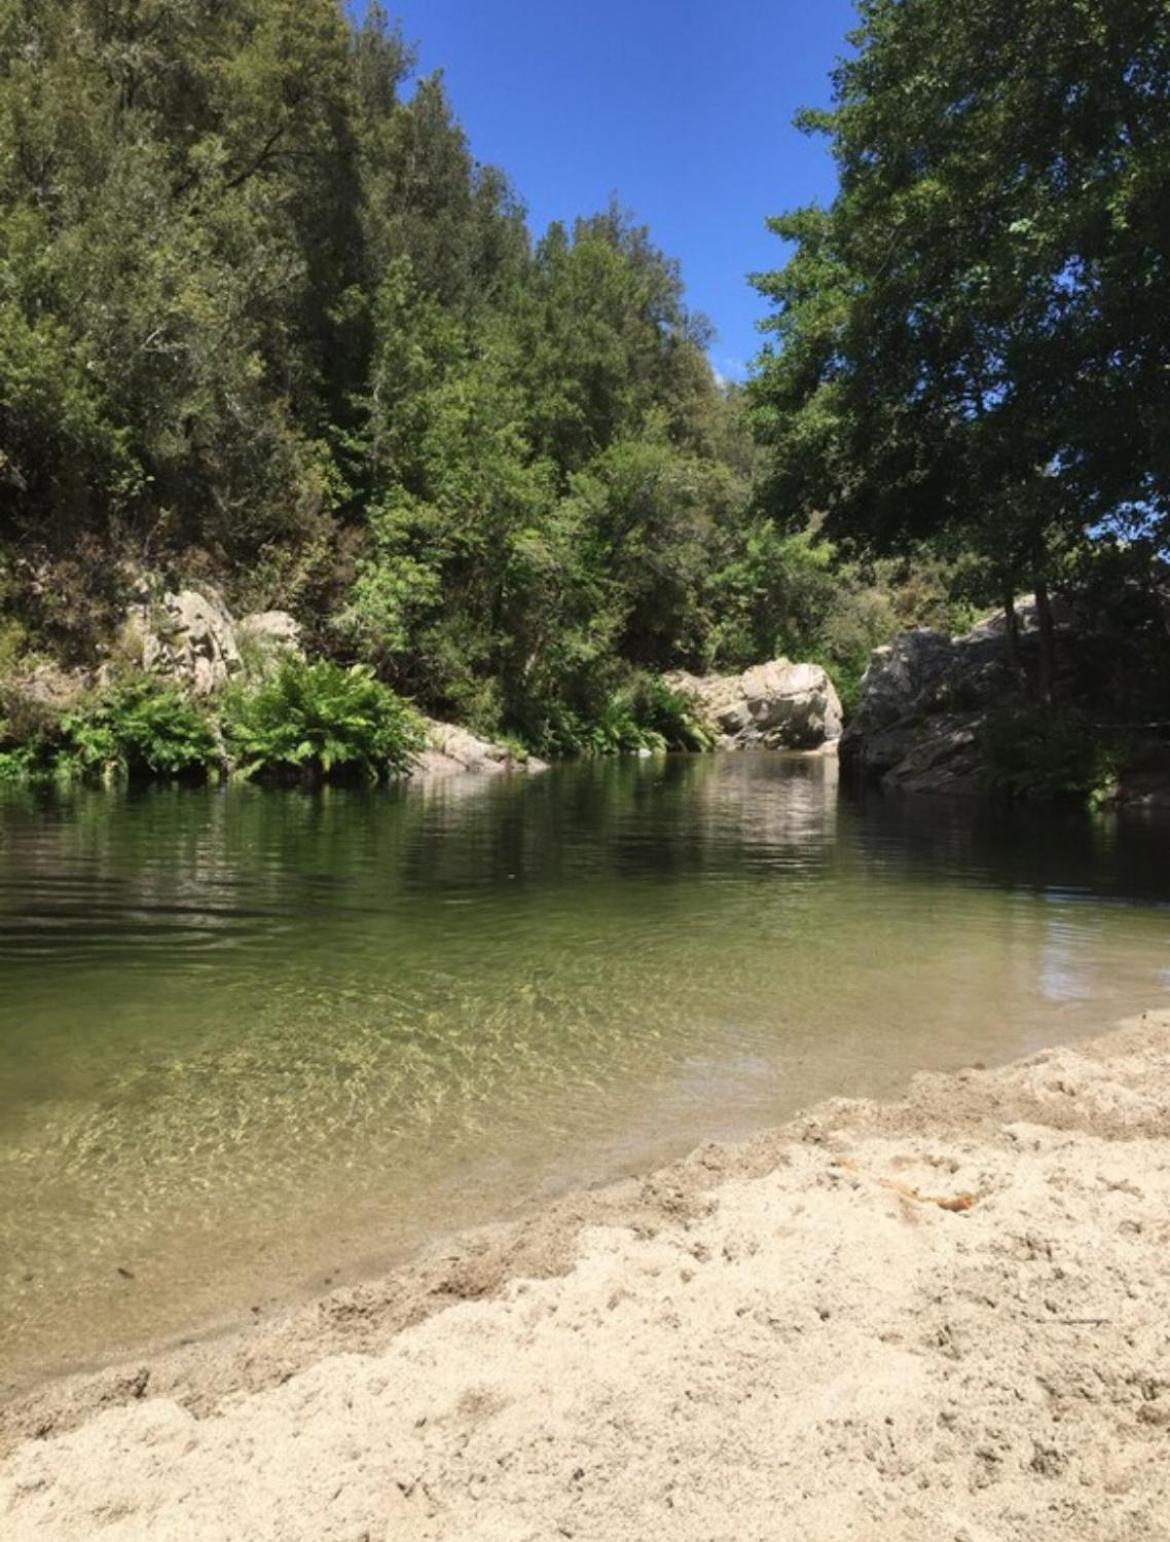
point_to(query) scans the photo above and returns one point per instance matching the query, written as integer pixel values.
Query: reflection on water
(247, 1039)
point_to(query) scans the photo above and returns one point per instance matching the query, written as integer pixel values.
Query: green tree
(972, 343)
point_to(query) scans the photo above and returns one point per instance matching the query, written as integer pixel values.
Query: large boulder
(923, 671)
(905, 677)
(185, 635)
(924, 698)
(777, 705)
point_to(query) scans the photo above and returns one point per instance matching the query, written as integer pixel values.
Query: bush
(1046, 754)
(670, 715)
(138, 729)
(643, 714)
(618, 731)
(320, 721)
(16, 765)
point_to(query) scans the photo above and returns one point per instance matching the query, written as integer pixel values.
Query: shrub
(319, 721)
(1045, 754)
(670, 715)
(138, 728)
(617, 729)
(16, 765)
(643, 714)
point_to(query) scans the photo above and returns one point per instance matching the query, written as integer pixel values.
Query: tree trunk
(1011, 630)
(1047, 642)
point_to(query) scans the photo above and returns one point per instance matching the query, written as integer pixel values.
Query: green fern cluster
(139, 729)
(308, 721)
(135, 729)
(644, 714)
(318, 721)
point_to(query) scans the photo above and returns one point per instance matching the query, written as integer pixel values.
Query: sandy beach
(944, 1318)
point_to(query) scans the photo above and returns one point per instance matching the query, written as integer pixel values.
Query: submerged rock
(777, 705)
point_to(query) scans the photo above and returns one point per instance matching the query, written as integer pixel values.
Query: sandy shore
(946, 1318)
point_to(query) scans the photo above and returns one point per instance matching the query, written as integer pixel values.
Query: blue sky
(683, 108)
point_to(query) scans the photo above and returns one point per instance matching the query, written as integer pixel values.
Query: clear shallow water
(253, 1041)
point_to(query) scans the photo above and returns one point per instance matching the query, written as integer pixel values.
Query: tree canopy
(266, 322)
(263, 315)
(972, 342)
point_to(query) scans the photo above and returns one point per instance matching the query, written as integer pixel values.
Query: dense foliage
(314, 721)
(264, 320)
(134, 729)
(972, 343)
(307, 722)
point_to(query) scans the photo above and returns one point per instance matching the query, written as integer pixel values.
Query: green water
(254, 1041)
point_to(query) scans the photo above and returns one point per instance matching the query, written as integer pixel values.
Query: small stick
(957, 1203)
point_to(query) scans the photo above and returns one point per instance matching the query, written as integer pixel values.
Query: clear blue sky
(683, 108)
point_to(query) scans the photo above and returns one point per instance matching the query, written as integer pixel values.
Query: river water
(254, 1042)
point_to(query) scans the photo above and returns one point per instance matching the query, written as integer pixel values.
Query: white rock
(778, 704)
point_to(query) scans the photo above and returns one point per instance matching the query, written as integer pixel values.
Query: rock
(273, 630)
(944, 757)
(904, 677)
(777, 705)
(1141, 789)
(266, 637)
(185, 635)
(48, 684)
(1027, 619)
(451, 750)
(923, 700)
(465, 749)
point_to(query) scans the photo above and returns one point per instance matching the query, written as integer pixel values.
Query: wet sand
(946, 1317)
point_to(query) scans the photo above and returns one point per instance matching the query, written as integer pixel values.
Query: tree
(972, 343)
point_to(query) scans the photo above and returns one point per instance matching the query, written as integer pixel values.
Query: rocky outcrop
(272, 630)
(451, 750)
(924, 671)
(190, 637)
(778, 705)
(924, 700)
(185, 635)
(941, 755)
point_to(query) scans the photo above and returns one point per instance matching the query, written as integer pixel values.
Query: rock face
(451, 750)
(922, 704)
(778, 705)
(187, 636)
(267, 636)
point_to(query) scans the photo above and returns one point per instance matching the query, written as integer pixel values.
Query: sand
(946, 1318)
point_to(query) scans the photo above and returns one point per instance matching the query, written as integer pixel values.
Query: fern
(321, 721)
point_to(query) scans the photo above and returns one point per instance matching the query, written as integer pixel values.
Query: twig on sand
(954, 1202)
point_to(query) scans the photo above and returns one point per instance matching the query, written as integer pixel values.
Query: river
(256, 1043)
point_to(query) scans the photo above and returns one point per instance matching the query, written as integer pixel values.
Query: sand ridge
(947, 1317)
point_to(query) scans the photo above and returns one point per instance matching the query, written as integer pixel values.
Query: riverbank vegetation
(266, 324)
(306, 722)
(970, 347)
